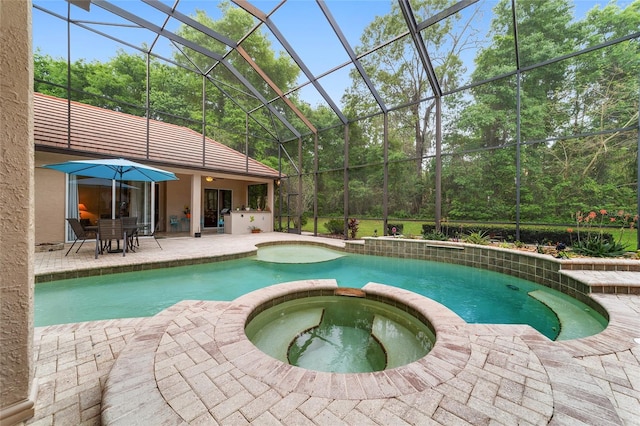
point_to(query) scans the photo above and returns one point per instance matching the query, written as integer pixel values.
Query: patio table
(109, 230)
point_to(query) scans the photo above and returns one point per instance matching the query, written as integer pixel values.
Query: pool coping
(89, 270)
(92, 271)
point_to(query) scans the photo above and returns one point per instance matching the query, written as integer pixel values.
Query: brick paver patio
(191, 364)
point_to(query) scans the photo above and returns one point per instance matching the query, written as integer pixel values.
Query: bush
(596, 243)
(435, 236)
(353, 225)
(335, 226)
(528, 235)
(304, 219)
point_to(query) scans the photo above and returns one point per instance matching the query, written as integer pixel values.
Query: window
(257, 196)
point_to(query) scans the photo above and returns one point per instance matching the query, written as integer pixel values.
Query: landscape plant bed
(531, 236)
(43, 247)
(553, 251)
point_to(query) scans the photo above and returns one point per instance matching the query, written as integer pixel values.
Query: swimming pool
(476, 295)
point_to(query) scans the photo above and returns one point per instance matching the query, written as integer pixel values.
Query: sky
(298, 20)
(353, 15)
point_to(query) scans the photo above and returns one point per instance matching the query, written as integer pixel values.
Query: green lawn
(367, 228)
(630, 239)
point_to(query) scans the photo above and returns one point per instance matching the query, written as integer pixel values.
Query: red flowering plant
(353, 225)
(596, 243)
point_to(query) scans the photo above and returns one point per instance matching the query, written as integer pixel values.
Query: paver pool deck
(191, 363)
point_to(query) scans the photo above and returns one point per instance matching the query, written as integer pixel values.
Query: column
(17, 392)
(196, 205)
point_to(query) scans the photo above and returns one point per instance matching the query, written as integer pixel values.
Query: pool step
(573, 323)
(275, 337)
(399, 343)
(619, 282)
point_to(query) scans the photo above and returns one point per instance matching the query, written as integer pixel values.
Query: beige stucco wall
(16, 210)
(178, 196)
(179, 193)
(49, 200)
(50, 190)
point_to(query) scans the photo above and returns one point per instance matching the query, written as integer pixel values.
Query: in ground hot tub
(340, 334)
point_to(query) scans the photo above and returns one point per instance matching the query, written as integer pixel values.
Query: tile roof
(96, 130)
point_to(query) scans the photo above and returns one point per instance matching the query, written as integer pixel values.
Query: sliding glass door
(215, 201)
(91, 199)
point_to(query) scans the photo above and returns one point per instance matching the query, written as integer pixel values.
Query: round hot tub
(340, 334)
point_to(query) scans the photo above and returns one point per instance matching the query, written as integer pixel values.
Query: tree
(561, 169)
(600, 170)
(397, 72)
(223, 112)
(489, 121)
(49, 74)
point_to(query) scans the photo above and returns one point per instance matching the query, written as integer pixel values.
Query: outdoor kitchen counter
(243, 221)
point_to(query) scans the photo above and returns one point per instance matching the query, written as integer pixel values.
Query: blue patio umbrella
(114, 168)
(118, 169)
(101, 182)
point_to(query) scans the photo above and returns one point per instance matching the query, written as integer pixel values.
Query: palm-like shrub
(595, 246)
(478, 237)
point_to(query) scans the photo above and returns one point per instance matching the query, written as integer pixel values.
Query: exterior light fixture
(209, 178)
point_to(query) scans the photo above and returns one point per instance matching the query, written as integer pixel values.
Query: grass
(630, 239)
(368, 227)
(413, 229)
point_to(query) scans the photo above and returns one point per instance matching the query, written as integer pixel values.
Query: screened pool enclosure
(502, 111)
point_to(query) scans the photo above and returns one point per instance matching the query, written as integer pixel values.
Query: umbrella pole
(120, 204)
(120, 214)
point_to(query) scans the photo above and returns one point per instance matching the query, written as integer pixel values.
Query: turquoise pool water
(476, 295)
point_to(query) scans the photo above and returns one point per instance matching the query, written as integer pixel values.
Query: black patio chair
(130, 225)
(80, 232)
(109, 230)
(155, 231)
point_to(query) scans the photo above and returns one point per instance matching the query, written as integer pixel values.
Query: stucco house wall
(49, 201)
